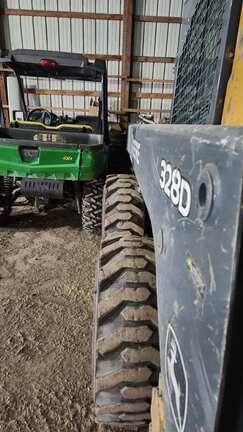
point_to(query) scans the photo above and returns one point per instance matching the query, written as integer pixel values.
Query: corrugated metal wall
(156, 39)
(100, 37)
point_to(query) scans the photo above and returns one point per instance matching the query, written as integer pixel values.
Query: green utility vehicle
(51, 159)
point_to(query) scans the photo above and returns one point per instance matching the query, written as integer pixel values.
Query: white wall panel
(102, 37)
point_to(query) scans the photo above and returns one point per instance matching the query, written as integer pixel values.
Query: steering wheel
(44, 116)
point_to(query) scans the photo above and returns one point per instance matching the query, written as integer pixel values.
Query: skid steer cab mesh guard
(204, 60)
(191, 181)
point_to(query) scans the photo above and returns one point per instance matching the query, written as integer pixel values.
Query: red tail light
(48, 63)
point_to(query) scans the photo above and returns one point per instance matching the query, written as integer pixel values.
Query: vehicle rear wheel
(6, 189)
(91, 208)
(123, 206)
(125, 342)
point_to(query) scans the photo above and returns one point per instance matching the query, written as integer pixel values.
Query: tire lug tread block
(91, 205)
(126, 345)
(123, 206)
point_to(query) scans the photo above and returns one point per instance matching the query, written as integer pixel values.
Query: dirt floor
(47, 270)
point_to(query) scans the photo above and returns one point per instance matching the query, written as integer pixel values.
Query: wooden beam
(58, 109)
(144, 59)
(120, 77)
(141, 110)
(142, 80)
(87, 15)
(150, 80)
(4, 97)
(149, 110)
(141, 95)
(127, 55)
(60, 14)
(130, 110)
(159, 19)
(94, 56)
(154, 59)
(59, 92)
(93, 93)
(108, 57)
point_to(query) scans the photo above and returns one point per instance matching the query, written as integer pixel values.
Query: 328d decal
(176, 187)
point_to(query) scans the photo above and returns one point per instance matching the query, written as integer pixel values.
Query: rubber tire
(125, 340)
(6, 187)
(123, 206)
(91, 205)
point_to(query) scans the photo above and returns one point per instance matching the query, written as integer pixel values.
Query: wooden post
(126, 58)
(3, 96)
(3, 80)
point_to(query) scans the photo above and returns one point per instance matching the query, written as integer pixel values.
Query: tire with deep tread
(123, 206)
(6, 188)
(126, 347)
(91, 205)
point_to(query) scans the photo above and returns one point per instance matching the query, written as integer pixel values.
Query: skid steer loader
(169, 302)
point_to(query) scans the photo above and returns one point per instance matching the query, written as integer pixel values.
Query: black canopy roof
(54, 64)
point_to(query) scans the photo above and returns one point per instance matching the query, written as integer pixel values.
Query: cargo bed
(37, 138)
(50, 155)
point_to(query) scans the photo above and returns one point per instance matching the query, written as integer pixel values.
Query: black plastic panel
(71, 66)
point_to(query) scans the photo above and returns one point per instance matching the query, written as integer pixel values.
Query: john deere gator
(48, 158)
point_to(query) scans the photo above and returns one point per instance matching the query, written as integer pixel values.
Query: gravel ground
(47, 270)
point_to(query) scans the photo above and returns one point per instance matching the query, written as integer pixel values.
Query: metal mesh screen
(197, 67)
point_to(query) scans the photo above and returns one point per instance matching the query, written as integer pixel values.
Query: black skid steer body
(191, 180)
(190, 176)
